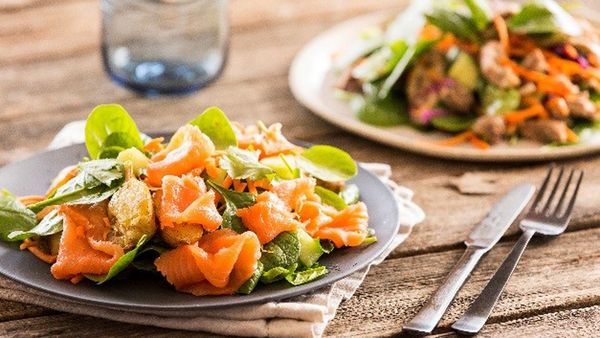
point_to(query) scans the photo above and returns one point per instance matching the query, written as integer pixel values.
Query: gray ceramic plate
(150, 294)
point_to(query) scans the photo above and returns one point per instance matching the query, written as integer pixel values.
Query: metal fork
(548, 218)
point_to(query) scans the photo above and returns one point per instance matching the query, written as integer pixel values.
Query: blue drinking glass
(164, 47)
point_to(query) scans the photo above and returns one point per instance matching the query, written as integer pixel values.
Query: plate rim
(163, 309)
(309, 98)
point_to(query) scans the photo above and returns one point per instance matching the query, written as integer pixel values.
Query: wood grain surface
(51, 73)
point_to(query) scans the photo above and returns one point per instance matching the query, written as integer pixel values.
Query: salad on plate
(218, 209)
(478, 71)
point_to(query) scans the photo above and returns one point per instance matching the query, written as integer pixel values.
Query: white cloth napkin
(302, 316)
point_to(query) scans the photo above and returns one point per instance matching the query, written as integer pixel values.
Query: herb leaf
(14, 216)
(110, 126)
(120, 265)
(214, 123)
(452, 123)
(280, 257)
(51, 224)
(330, 198)
(96, 181)
(244, 164)
(328, 163)
(386, 112)
(480, 13)
(233, 201)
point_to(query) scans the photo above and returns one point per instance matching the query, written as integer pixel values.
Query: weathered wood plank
(556, 274)
(66, 325)
(13, 310)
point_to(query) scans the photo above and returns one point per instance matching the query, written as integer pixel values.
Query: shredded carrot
(252, 188)
(239, 186)
(227, 182)
(572, 136)
(571, 51)
(479, 143)
(76, 279)
(30, 199)
(568, 67)
(468, 47)
(430, 32)
(446, 43)
(154, 145)
(211, 167)
(502, 30)
(518, 116)
(37, 252)
(458, 139)
(545, 83)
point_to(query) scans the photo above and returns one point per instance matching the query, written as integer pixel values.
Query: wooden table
(50, 74)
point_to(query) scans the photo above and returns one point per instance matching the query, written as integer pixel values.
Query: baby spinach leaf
(244, 164)
(96, 181)
(214, 123)
(51, 224)
(283, 251)
(327, 163)
(533, 19)
(306, 276)
(109, 125)
(455, 23)
(453, 123)
(120, 265)
(330, 198)
(251, 283)
(386, 112)
(233, 201)
(14, 216)
(350, 193)
(480, 13)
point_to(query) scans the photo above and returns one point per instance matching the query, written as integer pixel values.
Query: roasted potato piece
(131, 213)
(181, 234)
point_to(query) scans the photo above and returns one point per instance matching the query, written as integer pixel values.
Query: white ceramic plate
(312, 79)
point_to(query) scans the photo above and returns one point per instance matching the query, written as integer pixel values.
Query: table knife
(481, 239)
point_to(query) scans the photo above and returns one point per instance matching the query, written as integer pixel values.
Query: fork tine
(553, 192)
(542, 190)
(561, 199)
(569, 209)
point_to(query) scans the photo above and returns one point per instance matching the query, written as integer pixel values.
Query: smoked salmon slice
(219, 264)
(84, 248)
(186, 200)
(268, 217)
(269, 141)
(188, 150)
(347, 227)
(295, 192)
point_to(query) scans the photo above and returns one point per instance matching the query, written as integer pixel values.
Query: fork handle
(478, 313)
(426, 320)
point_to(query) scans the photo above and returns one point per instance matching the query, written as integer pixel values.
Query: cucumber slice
(464, 70)
(310, 249)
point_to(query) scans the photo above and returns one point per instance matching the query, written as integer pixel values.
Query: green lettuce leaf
(244, 164)
(533, 19)
(251, 283)
(120, 264)
(280, 257)
(108, 128)
(327, 163)
(277, 273)
(51, 224)
(306, 276)
(496, 101)
(214, 123)
(386, 112)
(480, 13)
(455, 23)
(14, 216)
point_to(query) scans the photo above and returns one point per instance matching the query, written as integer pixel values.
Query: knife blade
(480, 240)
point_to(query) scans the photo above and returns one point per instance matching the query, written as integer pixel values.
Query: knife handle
(429, 316)
(478, 313)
